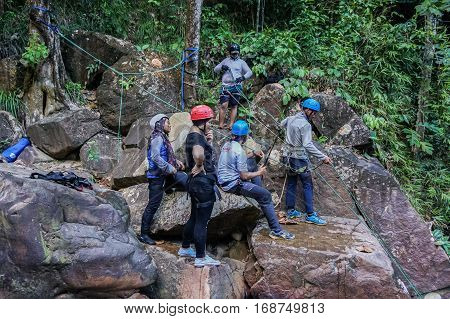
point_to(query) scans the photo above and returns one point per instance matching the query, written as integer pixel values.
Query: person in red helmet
(201, 163)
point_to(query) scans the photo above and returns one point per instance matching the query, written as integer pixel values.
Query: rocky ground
(56, 242)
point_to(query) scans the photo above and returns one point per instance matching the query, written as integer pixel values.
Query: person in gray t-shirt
(234, 178)
(234, 72)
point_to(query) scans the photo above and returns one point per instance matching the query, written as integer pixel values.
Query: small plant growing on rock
(35, 52)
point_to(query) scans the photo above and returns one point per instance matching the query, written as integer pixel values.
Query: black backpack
(68, 179)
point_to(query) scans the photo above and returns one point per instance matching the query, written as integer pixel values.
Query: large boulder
(100, 154)
(340, 260)
(402, 229)
(62, 133)
(179, 279)
(11, 74)
(10, 130)
(139, 94)
(231, 214)
(337, 121)
(58, 240)
(82, 68)
(267, 108)
(181, 124)
(138, 134)
(131, 169)
(32, 155)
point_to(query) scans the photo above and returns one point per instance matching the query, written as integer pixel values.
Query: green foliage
(442, 240)
(92, 69)
(127, 83)
(11, 102)
(35, 52)
(93, 152)
(73, 90)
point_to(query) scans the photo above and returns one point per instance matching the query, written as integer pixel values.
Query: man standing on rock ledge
(298, 145)
(235, 71)
(162, 173)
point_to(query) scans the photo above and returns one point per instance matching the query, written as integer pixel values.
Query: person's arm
(155, 155)
(306, 134)
(249, 175)
(198, 153)
(218, 67)
(284, 122)
(246, 71)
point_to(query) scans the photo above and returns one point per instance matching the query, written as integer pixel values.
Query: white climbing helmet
(155, 119)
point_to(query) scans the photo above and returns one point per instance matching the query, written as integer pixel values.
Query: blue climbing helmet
(311, 104)
(240, 128)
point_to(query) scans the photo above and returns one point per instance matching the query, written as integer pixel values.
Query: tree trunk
(258, 11)
(193, 19)
(44, 84)
(427, 70)
(2, 7)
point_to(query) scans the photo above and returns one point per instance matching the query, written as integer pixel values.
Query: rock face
(59, 240)
(340, 260)
(181, 124)
(131, 169)
(398, 223)
(83, 69)
(231, 214)
(138, 99)
(32, 155)
(11, 74)
(100, 154)
(178, 278)
(139, 133)
(339, 122)
(267, 107)
(10, 130)
(62, 133)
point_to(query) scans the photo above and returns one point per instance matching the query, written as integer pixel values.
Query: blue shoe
(282, 234)
(206, 261)
(186, 252)
(315, 219)
(293, 213)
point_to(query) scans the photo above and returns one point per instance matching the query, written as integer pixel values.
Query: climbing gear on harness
(155, 119)
(225, 68)
(234, 47)
(282, 234)
(201, 112)
(186, 252)
(146, 239)
(68, 179)
(240, 80)
(311, 104)
(240, 128)
(315, 219)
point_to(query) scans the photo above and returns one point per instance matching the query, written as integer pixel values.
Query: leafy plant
(92, 69)
(442, 240)
(93, 152)
(11, 102)
(127, 83)
(73, 90)
(35, 52)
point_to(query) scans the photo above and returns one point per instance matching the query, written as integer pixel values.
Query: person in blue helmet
(234, 177)
(164, 172)
(296, 150)
(234, 72)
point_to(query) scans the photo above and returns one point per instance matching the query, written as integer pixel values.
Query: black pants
(203, 196)
(156, 188)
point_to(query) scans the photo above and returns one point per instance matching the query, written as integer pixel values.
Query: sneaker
(206, 261)
(282, 234)
(315, 219)
(186, 252)
(293, 213)
(146, 239)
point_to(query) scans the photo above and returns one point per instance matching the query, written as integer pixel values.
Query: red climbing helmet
(201, 112)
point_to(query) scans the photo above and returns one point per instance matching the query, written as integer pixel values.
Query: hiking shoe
(186, 252)
(293, 213)
(315, 219)
(146, 239)
(282, 234)
(206, 261)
